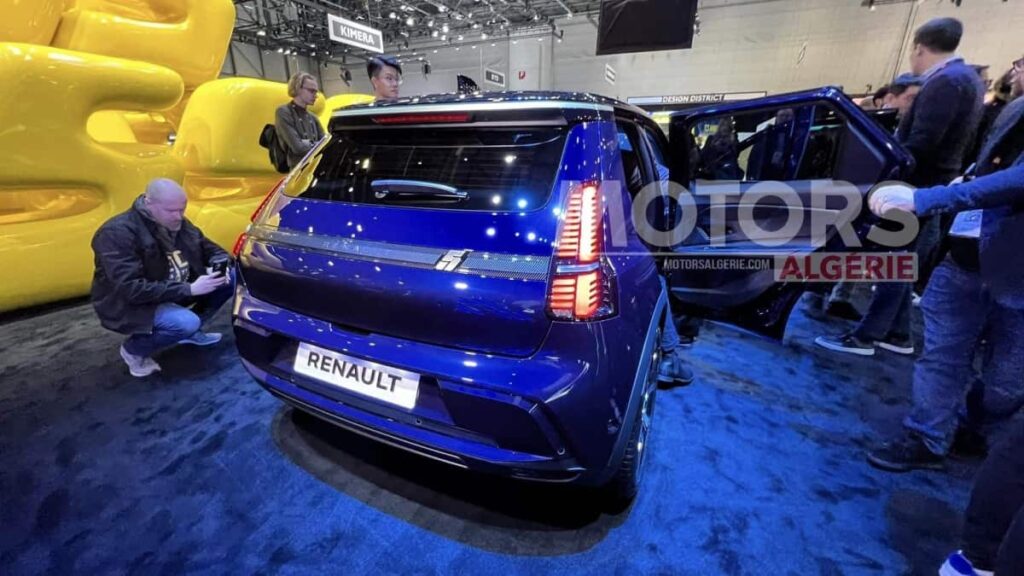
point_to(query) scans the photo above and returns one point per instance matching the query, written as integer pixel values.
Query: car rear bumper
(550, 417)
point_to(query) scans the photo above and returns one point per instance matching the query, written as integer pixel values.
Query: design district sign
(355, 34)
(709, 98)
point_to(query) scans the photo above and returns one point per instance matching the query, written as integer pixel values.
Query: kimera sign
(355, 34)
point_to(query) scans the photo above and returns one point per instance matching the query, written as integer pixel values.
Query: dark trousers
(993, 534)
(888, 314)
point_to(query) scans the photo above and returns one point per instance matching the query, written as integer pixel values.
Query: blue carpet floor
(757, 469)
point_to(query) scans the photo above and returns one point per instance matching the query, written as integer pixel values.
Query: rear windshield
(484, 168)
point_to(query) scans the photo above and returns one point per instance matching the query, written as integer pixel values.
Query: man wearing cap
(902, 93)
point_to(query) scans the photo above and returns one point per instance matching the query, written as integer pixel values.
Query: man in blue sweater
(937, 131)
(977, 290)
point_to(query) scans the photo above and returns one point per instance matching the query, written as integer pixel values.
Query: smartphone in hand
(219, 266)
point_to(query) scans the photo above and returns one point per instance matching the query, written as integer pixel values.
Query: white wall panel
(785, 45)
(745, 45)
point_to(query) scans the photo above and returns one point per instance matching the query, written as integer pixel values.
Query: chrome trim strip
(577, 268)
(512, 266)
(471, 107)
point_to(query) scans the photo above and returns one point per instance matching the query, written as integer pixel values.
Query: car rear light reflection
(240, 241)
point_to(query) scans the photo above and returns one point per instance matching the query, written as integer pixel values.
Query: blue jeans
(958, 311)
(172, 322)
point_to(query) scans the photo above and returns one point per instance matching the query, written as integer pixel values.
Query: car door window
(753, 146)
(633, 168)
(657, 154)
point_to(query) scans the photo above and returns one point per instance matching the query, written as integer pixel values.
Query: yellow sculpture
(58, 184)
(91, 94)
(30, 21)
(227, 173)
(335, 103)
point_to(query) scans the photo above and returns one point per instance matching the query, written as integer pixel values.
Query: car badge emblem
(451, 260)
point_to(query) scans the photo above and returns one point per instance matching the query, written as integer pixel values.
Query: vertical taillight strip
(581, 288)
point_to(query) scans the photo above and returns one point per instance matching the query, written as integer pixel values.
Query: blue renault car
(452, 275)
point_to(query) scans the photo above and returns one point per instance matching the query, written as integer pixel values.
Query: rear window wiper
(395, 189)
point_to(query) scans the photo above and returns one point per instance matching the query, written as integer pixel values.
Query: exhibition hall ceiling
(300, 26)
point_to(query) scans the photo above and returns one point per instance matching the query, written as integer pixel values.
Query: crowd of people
(158, 279)
(967, 188)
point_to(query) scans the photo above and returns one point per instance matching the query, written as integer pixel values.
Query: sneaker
(843, 309)
(139, 366)
(898, 344)
(969, 444)
(905, 454)
(846, 343)
(201, 338)
(673, 371)
(958, 565)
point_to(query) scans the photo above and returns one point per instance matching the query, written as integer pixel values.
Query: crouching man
(157, 278)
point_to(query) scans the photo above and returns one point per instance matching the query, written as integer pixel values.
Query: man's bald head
(164, 188)
(166, 202)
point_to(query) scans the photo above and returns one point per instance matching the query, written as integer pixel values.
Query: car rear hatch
(430, 223)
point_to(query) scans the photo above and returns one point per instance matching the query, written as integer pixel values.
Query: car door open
(778, 176)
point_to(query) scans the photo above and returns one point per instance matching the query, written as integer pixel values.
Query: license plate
(391, 385)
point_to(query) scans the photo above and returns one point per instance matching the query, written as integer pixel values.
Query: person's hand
(208, 283)
(892, 197)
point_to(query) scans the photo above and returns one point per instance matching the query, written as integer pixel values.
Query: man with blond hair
(298, 130)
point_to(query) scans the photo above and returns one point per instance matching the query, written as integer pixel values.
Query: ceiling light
(430, 23)
(261, 33)
(476, 26)
(460, 37)
(435, 51)
(392, 15)
(444, 37)
(434, 34)
(410, 21)
(442, 8)
(484, 36)
(444, 28)
(280, 50)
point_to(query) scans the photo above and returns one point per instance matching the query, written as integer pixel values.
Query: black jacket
(1001, 194)
(298, 131)
(130, 279)
(940, 127)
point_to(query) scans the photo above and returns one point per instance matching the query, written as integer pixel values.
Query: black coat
(940, 127)
(131, 276)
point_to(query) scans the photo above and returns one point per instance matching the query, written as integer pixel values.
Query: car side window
(633, 169)
(657, 154)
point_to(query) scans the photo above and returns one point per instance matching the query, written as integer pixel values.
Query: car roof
(509, 98)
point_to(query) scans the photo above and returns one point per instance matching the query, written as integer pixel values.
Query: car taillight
(240, 241)
(583, 286)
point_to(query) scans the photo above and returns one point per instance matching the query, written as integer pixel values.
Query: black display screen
(645, 25)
